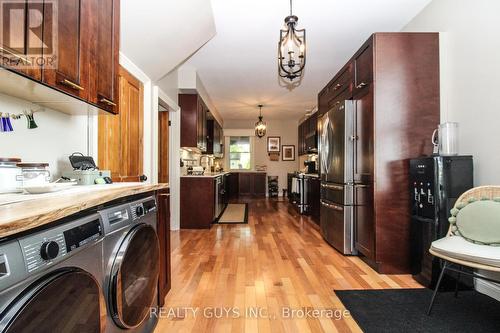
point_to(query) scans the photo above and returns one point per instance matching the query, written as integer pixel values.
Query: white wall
(287, 130)
(58, 135)
(470, 72)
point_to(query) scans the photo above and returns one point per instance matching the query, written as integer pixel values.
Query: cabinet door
(364, 222)
(120, 136)
(199, 124)
(364, 146)
(189, 104)
(70, 19)
(259, 185)
(104, 76)
(363, 65)
(245, 183)
(21, 41)
(131, 99)
(233, 186)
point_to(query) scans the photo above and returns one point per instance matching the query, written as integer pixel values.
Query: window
(240, 154)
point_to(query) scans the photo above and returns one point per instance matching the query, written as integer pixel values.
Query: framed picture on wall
(273, 144)
(288, 153)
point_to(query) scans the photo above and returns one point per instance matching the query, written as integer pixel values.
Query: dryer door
(134, 277)
(68, 300)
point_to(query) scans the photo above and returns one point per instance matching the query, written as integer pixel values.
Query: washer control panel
(40, 251)
(137, 210)
(50, 246)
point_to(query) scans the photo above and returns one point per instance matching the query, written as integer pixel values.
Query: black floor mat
(404, 310)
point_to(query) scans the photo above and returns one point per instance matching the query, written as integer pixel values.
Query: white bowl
(48, 188)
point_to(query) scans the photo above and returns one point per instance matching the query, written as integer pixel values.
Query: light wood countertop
(19, 213)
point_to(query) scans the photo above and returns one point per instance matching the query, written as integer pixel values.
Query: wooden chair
(486, 257)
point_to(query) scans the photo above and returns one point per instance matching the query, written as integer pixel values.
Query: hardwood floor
(276, 263)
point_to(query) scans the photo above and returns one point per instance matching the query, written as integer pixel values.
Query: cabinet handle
(107, 101)
(354, 137)
(361, 85)
(73, 85)
(337, 86)
(332, 206)
(23, 59)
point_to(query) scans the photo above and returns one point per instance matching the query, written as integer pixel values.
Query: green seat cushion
(479, 221)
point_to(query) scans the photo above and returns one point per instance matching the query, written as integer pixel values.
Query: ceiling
(239, 65)
(158, 35)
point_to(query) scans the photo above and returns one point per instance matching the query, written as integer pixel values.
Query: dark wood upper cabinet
(193, 121)
(214, 138)
(308, 135)
(21, 46)
(363, 67)
(69, 45)
(105, 54)
(70, 22)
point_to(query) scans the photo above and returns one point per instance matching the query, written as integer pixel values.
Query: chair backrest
(476, 215)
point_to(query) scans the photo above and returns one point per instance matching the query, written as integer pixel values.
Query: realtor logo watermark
(28, 33)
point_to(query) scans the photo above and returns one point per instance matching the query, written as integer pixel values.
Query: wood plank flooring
(275, 264)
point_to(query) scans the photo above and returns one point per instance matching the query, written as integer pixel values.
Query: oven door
(134, 277)
(66, 300)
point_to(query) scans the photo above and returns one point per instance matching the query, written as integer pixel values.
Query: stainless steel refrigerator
(345, 190)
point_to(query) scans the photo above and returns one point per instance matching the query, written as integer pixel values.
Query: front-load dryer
(131, 265)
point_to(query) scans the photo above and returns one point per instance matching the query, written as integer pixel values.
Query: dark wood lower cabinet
(233, 186)
(252, 184)
(197, 202)
(163, 231)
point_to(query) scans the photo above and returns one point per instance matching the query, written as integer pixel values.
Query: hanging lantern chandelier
(260, 126)
(291, 49)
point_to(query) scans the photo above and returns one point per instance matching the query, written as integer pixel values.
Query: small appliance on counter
(11, 176)
(436, 184)
(86, 172)
(195, 171)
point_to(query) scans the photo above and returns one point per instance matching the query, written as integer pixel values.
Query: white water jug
(445, 139)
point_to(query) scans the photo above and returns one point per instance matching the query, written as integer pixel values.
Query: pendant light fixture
(260, 126)
(291, 49)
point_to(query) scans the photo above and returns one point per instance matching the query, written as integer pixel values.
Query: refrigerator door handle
(332, 187)
(332, 206)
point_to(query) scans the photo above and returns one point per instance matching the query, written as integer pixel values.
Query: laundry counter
(22, 212)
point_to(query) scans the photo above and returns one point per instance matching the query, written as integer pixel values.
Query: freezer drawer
(336, 224)
(337, 193)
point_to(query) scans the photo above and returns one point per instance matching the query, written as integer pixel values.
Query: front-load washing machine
(51, 279)
(131, 265)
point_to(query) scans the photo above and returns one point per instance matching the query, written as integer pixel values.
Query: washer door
(134, 277)
(68, 300)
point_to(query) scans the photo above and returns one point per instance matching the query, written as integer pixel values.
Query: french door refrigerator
(345, 190)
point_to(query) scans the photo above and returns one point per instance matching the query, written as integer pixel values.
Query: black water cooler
(436, 184)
